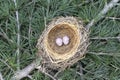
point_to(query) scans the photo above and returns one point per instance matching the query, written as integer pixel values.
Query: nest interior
(60, 31)
(65, 51)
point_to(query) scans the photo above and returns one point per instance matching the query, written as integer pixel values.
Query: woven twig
(60, 57)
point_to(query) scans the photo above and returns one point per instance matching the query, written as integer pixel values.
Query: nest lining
(65, 51)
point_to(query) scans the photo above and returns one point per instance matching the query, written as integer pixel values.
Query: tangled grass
(22, 22)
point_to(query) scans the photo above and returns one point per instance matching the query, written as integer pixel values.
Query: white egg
(59, 41)
(66, 40)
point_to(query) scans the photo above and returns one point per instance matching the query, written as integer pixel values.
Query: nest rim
(61, 57)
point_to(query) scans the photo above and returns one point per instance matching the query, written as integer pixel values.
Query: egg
(59, 41)
(66, 40)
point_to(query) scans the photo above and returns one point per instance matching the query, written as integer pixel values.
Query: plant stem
(18, 36)
(24, 72)
(105, 38)
(107, 54)
(106, 8)
(1, 77)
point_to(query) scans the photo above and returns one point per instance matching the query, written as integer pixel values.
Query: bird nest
(61, 56)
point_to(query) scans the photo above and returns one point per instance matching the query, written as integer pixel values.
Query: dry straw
(57, 57)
